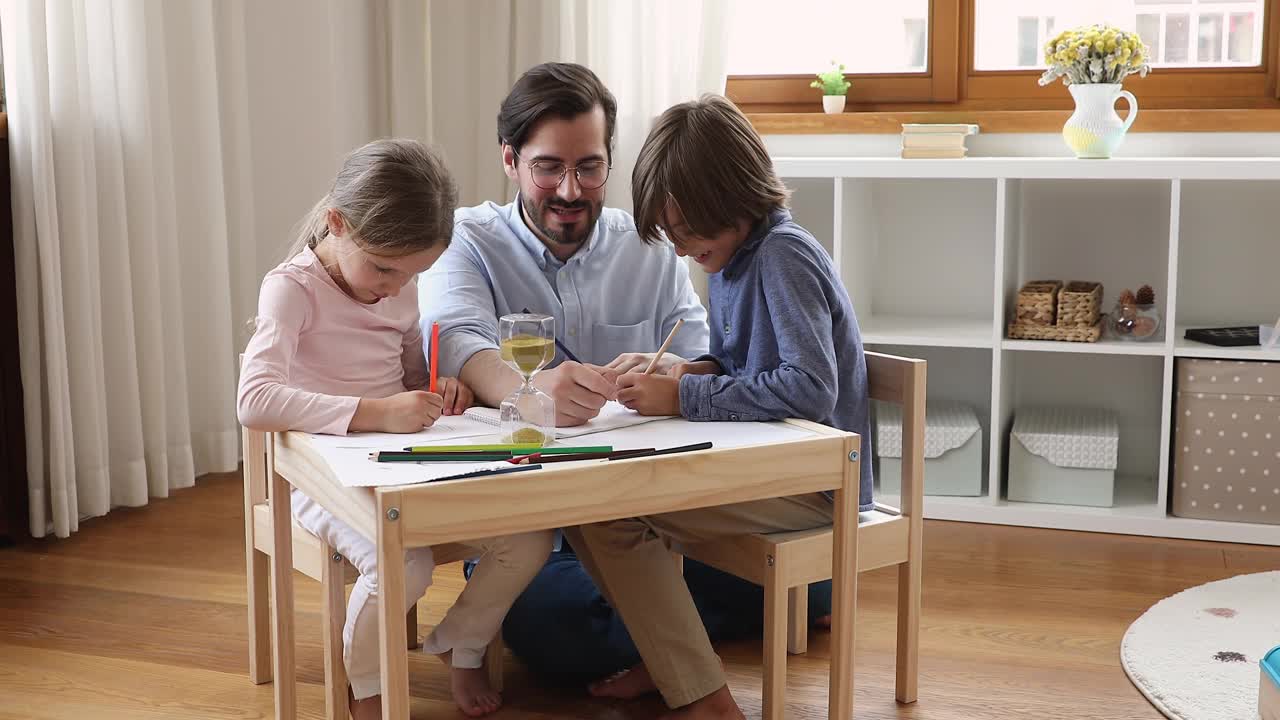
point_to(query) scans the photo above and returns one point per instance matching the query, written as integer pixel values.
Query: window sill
(1011, 121)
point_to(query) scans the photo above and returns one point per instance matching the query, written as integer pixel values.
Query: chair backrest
(254, 460)
(902, 381)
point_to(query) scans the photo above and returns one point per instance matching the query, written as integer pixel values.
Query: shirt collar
(755, 236)
(534, 245)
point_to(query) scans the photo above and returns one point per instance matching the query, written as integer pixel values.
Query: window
(804, 36)
(922, 55)
(916, 39)
(1004, 28)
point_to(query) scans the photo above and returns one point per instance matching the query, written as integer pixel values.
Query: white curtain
(161, 152)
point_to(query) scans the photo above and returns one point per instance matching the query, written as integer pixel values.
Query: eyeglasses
(548, 174)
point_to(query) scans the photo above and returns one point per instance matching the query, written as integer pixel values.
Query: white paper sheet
(672, 432)
(452, 427)
(612, 416)
(354, 468)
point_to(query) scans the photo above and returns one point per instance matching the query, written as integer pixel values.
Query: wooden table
(558, 495)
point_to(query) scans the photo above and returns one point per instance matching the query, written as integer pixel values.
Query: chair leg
(773, 696)
(908, 670)
(258, 583)
(493, 661)
(282, 625)
(411, 626)
(333, 617)
(798, 620)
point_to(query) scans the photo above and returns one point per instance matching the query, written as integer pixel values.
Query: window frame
(952, 86)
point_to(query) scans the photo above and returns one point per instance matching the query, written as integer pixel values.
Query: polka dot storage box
(1226, 454)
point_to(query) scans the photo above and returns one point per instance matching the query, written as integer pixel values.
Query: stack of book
(920, 140)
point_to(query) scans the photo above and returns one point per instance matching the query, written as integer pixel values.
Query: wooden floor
(141, 616)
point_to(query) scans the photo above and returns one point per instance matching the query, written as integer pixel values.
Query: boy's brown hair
(705, 156)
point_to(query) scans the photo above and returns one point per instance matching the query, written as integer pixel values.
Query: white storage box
(952, 449)
(1064, 455)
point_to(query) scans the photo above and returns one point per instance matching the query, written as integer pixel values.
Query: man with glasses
(557, 250)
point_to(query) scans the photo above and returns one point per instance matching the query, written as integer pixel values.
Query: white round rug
(1195, 655)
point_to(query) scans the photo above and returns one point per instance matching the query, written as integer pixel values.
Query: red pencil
(435, 354)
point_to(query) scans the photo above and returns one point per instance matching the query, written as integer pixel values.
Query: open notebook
(613, 416)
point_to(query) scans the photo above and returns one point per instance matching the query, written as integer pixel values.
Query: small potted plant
(833, 87)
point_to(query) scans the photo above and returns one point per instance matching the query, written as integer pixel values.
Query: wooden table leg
(286, 686)
(391, 608)
(844, 585)
(773, 690)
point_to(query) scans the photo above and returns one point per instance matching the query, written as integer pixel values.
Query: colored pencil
(418, 457)
(454, 453)
(665, 451)
(435, 354)
(653, 364)
(486, 473)
(545, 458)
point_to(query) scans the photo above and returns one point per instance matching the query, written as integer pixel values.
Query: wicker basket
(1038, 303)
(1079, 304)
(1069, 333)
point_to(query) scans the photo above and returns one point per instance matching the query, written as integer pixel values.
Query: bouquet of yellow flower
(1094, 55)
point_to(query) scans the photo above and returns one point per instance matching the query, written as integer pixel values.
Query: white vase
(833, 103)
(1095, 129)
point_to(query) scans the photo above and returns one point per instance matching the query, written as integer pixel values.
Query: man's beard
(566, 235)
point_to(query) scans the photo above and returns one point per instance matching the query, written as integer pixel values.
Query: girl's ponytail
(312, 228)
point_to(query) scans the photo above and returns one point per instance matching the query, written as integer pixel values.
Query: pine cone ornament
(1127, 297)
(1145, 296)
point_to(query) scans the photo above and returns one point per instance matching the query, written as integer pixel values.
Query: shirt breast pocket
(613, 340)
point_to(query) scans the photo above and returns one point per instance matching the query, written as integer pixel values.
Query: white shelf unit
(934, 251)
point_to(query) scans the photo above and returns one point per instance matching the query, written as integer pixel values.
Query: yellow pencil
(653, 364)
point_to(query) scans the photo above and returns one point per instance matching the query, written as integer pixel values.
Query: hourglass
(527, 344)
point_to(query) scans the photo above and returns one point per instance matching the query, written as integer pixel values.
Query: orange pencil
(435, 354)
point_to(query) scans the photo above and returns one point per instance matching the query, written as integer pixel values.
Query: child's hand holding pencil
(650, 394)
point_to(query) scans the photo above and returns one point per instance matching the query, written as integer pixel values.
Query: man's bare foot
(471, 689)
(719, 705)
(369, 708)
(823, 622)
(625, 685)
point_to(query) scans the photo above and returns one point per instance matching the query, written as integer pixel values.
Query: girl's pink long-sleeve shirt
(316, 351)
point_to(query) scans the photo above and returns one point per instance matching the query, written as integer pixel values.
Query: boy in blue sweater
(784, 343)
(784, 339)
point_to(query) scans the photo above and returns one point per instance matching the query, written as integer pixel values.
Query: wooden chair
(785, 563)
(315, 559)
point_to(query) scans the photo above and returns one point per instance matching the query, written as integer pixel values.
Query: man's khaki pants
(631, 562)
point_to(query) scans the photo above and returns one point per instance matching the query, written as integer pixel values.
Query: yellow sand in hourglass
(526, 343)
(528, 352)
